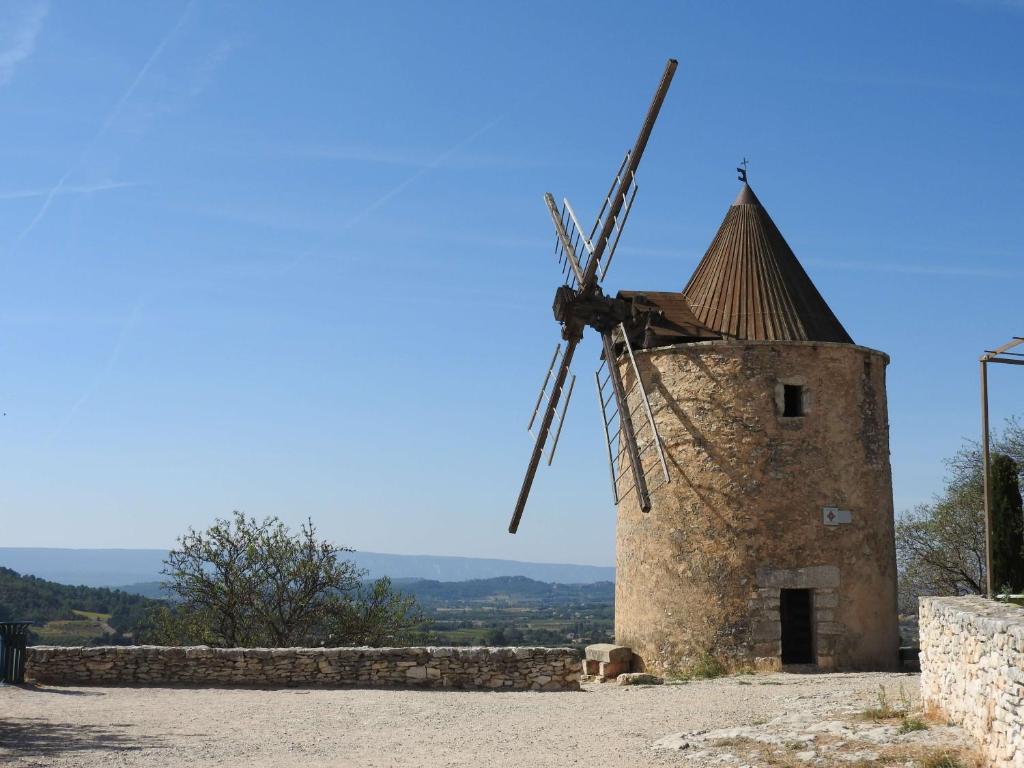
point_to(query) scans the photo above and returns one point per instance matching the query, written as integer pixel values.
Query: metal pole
(985, 476)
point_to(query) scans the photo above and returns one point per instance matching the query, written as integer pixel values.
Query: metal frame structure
(13, 641)
(998, 355)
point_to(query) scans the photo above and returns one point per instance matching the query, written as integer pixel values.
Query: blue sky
(294, 259)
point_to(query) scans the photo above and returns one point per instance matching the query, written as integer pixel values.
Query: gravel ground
(605, 725)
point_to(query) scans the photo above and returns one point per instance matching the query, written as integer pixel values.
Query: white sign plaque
(836, 516)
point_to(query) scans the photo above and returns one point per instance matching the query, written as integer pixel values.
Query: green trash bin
(13, 640)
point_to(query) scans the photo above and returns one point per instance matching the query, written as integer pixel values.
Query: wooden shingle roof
(667, 319)
(749, 285)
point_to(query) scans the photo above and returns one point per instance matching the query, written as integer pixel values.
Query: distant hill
(89, 567)
(427, 591)
(498, 611)
(441, 568)
(150, 589)
(64, 614)
(117, 567)
(514, 588)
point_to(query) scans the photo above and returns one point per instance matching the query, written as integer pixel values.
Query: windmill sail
(581, 302)
(617, 211)
(625, 180)
(550, 412)
(570, 248)
(547, 396)
(636, 456)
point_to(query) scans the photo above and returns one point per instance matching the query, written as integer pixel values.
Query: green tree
(940, 547)
(496, 636)
(375, 615)
(1007, 524)
(249, 583)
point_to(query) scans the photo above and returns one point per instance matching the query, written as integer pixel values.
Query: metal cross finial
(742, 170)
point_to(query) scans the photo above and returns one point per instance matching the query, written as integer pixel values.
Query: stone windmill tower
(773, 543)
(748, 444)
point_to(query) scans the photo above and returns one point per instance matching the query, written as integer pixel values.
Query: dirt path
(604, 726)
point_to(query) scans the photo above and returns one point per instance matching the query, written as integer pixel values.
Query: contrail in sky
(68, 189)
(115, 353)
(402, 185)
(114, 113)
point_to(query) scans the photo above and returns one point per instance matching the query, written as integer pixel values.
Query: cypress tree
(1007, 525)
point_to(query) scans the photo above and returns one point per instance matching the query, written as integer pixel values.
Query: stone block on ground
(610, 670)
(639, 678)
(609, 653)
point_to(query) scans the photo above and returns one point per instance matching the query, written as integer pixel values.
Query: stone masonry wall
(972, 671)
(537, 669)
(742, 516)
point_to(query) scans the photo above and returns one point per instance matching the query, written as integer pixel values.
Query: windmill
(580, 302)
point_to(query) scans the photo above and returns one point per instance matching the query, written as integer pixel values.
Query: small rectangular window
(793, 400)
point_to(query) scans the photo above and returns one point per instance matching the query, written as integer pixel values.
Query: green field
(85, 630)
(515, 611)
(92, 615)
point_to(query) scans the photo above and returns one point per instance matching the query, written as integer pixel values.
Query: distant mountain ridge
(516, 587)
(119, 567)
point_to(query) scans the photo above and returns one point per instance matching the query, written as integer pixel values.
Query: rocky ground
(755, 720)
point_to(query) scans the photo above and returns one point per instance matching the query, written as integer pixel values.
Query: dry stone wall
(537, 669)
(972, 671)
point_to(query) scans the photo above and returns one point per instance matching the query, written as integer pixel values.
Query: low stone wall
(972, 671)
(536, 669)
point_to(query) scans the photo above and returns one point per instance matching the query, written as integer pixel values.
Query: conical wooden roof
(749, 285)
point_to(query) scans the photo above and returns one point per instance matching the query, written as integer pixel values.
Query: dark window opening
(793, 400)
(797, 626)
